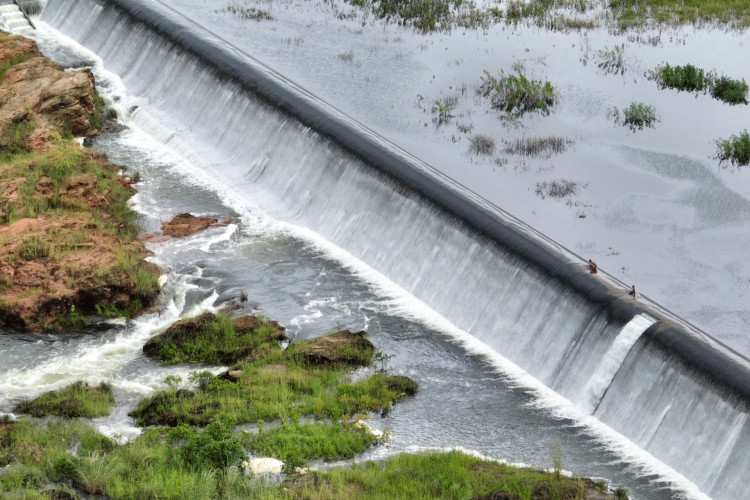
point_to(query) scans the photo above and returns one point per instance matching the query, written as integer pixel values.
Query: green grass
(42, 192)
(448, 475)
(76, 400)
(735, 150)
(516, 95)
(16, 59)
(209, 339)
(636, 13)
(182, 463)
(298, 443)
(274, 387)
(13, 139)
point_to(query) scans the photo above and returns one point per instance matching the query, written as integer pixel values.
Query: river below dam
(513, 362)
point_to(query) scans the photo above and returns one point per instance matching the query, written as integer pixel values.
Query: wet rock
(342, 347)
(186, 224)
(184, 333)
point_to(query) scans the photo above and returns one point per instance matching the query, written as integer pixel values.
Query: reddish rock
(186, 224)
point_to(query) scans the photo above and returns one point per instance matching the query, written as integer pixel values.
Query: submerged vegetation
(537, 146)
(693, 79)
(556, 189)
(428, 15)
(636, 116)
(516, 95)
(736, 149)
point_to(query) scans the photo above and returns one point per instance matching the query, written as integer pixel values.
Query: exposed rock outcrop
(36, 88)
(185, 340)
(186, 224)
(342, 347)
(67, 238)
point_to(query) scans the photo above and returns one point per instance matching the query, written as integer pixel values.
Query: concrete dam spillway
(670, 389)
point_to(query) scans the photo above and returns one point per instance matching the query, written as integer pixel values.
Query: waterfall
(269, 145)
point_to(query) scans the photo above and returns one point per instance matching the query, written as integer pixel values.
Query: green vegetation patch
(730, 90)
(308, 378)
(442, 475)
(636, 13)
(183, 463)
(694, 79)
(736, 149)
(428, 15)
(297, 443)
(76, 400)
(516, 95)
(14, 138)
(215, 339)
(686, 77)
(636, 116)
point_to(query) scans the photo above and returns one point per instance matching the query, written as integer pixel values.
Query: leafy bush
(216, 447)
(730, 90)
(686, 77)
(636, 116)
(517, 95)
(736, 149)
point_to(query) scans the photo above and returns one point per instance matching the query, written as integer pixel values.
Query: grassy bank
(181, 463)
(76, 400)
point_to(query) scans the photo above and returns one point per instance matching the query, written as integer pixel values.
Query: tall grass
(516, 95)
(537, 146)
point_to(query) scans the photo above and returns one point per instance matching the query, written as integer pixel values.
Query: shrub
(730, 90)
(216, 447)
(517, 95)
(482, 144)
(686, 77)
(636, 116)
(736, 149)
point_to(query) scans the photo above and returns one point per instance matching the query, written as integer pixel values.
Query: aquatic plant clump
(694, 79)
(730, 90)
(482, 144)
(516, 95)
(736, 149)
(686, 77)
(538, 146)
(636, 116)
(428, 15)
(556, 189)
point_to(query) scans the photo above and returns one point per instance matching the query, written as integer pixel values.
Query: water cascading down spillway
(669, 388)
